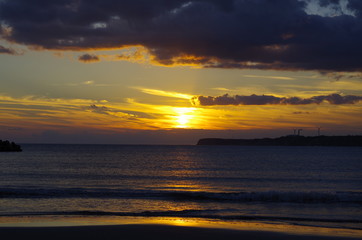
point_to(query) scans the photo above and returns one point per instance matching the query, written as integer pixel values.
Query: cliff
(6, 146)
(288, 141)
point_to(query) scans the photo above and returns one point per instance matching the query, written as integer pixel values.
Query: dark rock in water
(292, 140)
(6, 146)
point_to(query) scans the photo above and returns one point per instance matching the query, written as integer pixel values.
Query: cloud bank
(253, 34)
(335, 99)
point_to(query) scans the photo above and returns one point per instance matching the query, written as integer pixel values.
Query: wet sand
(148, 231)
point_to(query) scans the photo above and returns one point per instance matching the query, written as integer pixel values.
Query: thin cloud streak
(162, 93)
(269, 77)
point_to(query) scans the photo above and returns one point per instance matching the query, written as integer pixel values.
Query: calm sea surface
(317, 186)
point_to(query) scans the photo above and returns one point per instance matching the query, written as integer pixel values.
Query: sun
(182, 121)
(183, 117)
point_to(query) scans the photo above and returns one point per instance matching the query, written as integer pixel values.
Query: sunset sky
(174, 71)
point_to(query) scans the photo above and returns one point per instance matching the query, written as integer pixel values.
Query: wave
(209, 214)
(277, 196)
(260, 197)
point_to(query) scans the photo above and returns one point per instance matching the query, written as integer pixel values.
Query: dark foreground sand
(137, 231)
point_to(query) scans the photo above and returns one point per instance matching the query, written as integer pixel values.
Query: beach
(143, 231)
(162, 228)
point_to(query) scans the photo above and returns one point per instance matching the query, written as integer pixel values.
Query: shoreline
(152, 231)
(166, 228)
(290, 140)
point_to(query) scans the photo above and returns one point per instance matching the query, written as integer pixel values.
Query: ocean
(306, 186)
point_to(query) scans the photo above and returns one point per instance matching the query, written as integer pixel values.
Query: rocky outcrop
(6, 146)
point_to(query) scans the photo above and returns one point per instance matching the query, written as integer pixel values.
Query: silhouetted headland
(292, 140)
(6, 146)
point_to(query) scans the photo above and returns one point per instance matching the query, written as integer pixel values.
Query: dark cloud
(356, 5)
(4, 50)
(301, 112)
(226, 99)
(259, 34)
(97, 109)
(87, 58)
(336, 76)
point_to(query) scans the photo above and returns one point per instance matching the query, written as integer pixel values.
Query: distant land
(6, 146)
(291, 140)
